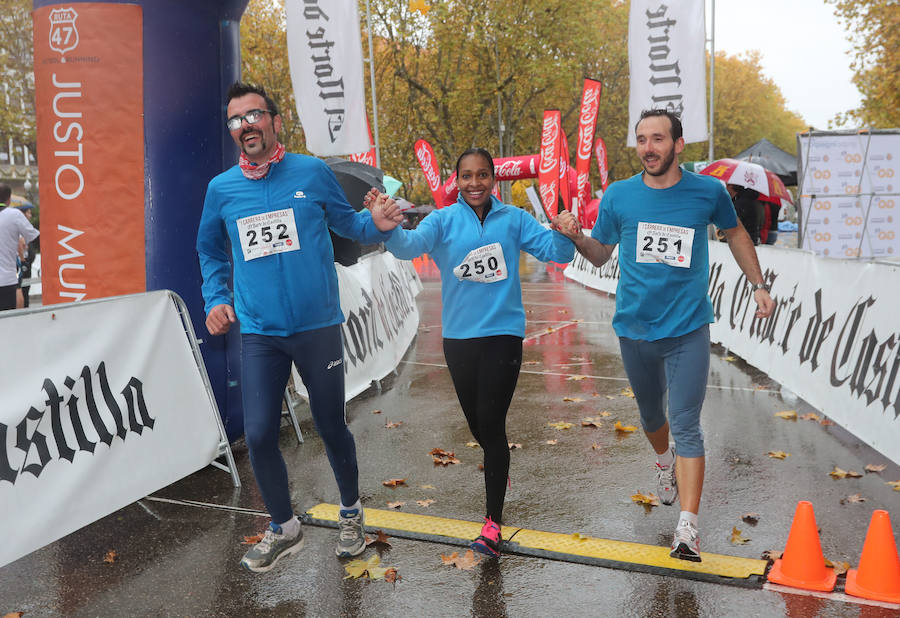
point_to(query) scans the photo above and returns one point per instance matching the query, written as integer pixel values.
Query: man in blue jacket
(275, 209)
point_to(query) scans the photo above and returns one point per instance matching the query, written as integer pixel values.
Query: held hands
(220, 319)
(565, 223)
(386, 213)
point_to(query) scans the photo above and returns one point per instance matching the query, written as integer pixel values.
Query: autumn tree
(17, 116)
(264, 62)
(748, 107)
(874, 27)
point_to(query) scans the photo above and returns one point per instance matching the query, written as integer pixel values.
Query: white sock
(666, 459)
(687, 517)
(357, 506)
(290, 528)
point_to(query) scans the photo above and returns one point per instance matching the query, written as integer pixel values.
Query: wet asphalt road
(177, 560)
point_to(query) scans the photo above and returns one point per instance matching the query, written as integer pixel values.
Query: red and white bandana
(253, 171)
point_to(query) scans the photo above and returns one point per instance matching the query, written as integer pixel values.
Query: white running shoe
(666, 485)
(686, 543)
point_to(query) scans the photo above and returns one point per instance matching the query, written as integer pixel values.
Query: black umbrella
(356, 179)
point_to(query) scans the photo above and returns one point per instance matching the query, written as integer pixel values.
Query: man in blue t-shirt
(659, 220)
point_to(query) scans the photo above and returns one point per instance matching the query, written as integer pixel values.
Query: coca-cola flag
(587, 121)
(565, 192)
(602, 162)
(667, 60)
(428, 162)
(548, 172)
(368, 157)
(506, 168)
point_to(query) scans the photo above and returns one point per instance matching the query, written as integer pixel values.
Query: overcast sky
(804, 50)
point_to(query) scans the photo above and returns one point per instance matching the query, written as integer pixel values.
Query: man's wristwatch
(761, 286)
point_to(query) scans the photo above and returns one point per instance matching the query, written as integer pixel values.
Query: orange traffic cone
(802, 565)
(878, 576)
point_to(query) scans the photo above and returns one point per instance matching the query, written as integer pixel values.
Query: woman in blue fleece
(475, 244)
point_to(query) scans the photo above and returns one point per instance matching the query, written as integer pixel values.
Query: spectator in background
(772, 212)
(27, 253)
(750, 210)
(13, 225)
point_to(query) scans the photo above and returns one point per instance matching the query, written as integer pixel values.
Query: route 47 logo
(63, 34)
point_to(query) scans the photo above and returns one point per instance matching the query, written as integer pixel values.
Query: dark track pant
(485, 371)
(266, 365)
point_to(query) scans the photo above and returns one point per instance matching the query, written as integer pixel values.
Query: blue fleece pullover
(283, 293)
(472, 309)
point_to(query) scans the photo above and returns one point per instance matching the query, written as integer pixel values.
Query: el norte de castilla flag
(667, 61)
(325, 55)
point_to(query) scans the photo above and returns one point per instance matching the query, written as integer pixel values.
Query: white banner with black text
(832, 339)
(325, 55)
(107, 405)
(378, 298)
(667, 60)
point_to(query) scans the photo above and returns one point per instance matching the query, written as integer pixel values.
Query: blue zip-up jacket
(471, 309)
(283, 293)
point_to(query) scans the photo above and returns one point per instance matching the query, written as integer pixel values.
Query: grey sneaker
(666, 485)
(686, 543)
(274, 546)
(352, 538)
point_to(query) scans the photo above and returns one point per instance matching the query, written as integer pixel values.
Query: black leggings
(485, 371)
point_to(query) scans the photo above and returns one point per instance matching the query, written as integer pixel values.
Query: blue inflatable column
(191, 55)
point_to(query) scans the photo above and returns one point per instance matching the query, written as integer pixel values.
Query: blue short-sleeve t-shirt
(654, 298)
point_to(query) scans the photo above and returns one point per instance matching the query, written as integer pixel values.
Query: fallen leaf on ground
(750, 518)
(514, 445)
(473, 444)
(627, 392)
(427, 502)
(838, 473)
(875, 467)
(357, 569)
(396, 505)
(605, 414)
(561, 425)
(575, 399)
(852, 499)
(391, 425)
(480, 466)
(110, 556)
(625, 428)
(595, 394)
(391, 575)
(376, 411)
(579, 537)
(575, 378)
(826, 421)
(736, 538)
(839, 567)
(810, 416)
(610, 396)
(427, 487)
(894, 484)
(730, 359)
(778, 454)
(591, 421)
(440, 457)
(596, 446)
(14, 615)
(466, 562)
(380, 539)
(394, 482)
(771, 554)
(253, 540)
(647, 501)
(789, 415)
(549, 329)
(551, 442)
